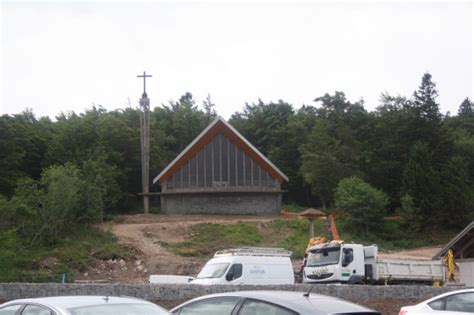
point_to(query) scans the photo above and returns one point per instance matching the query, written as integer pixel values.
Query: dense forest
(404, 158)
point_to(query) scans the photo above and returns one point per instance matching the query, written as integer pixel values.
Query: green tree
(421, 181)
(425, 99)
(334, 105)
(466, 108)
(209, 110)
(101, 190)
(325, 160)
(44, 208)
(23, 144)
(286, 154)
(411, 213)
(458, 193)
(365, 204)
(262, 124)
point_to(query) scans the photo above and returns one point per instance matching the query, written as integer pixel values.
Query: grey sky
(60, 56)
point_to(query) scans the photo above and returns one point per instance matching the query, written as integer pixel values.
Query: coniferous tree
(466, 108)
(425, 99)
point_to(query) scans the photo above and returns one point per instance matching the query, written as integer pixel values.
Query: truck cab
(335, 262)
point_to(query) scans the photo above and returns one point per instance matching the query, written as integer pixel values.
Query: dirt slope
(145, 234)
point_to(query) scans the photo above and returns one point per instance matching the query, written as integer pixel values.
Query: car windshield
(213, 270)
(324, 256)
(119, 309)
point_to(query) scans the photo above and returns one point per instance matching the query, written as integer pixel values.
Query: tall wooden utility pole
(145, 142)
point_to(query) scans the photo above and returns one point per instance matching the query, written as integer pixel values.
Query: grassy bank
(293, 235)
(21, 262)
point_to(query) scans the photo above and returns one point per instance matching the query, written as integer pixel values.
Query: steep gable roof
(219, 125)
(461, 243)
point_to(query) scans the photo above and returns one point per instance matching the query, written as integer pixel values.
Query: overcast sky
(67, 56)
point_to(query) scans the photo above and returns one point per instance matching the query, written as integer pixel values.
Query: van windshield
(323, 256)
(213, 270)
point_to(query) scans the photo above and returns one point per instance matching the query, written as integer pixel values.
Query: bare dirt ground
(420, 253)
(146, 234)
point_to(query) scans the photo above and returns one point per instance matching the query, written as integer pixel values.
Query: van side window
(348, 257)
(235, 272)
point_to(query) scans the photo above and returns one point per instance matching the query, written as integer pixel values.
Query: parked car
(81, 305)
(269, 303)
(248, 265)
(454, 302)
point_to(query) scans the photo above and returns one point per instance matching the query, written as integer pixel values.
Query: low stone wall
(152, 292)
(259, 203)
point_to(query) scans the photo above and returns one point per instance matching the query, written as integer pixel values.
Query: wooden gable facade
(220, 172)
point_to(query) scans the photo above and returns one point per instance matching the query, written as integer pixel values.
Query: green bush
(365, 204)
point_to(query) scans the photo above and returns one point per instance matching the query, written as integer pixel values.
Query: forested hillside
(405, 157)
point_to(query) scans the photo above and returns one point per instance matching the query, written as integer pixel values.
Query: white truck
(248, 265)
(357, 264)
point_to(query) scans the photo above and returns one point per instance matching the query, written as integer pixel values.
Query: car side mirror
(229, 276)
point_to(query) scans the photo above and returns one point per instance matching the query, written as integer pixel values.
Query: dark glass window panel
(270, 181)
(192, 172)
(200, 158)
(232, 175)
(177, 179)
(185, 173)
(240, 168)
(216, 159)
(209, 165)
(224, 159)
(248, 171)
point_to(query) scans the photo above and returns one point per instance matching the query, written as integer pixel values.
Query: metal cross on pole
(145, 142)
(144, 76)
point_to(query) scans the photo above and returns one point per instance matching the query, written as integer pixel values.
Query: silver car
(81, 305)
(269, 303)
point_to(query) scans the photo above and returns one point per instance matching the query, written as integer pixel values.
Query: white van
(248, 265)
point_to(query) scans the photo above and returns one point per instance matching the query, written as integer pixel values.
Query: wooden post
(145, 142)
(145, 149)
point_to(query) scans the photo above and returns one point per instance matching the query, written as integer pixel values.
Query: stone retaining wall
(222, 203)
(153, 292)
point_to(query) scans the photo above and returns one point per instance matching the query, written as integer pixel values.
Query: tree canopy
(422, 160)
